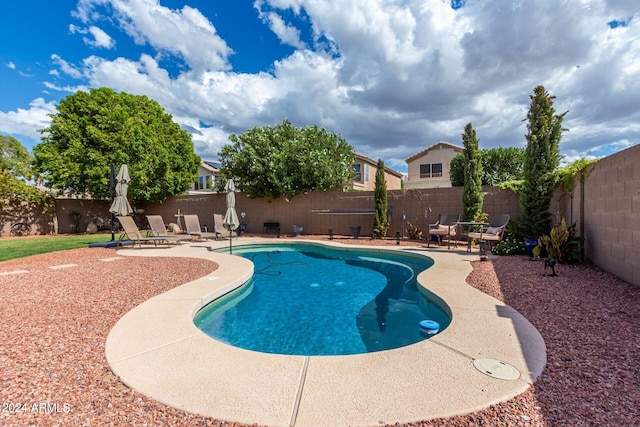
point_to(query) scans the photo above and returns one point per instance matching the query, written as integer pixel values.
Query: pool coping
(156, 349)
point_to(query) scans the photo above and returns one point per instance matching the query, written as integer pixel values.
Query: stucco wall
(438, 154)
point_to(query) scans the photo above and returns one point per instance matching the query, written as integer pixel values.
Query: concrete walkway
(157, 350)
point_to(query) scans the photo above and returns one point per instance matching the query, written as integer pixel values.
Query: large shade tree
(283, 160)
(95, 129)
(542, 158)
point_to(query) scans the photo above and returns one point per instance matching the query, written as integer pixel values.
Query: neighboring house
(365, 169)
(430, 168)
(207, 177)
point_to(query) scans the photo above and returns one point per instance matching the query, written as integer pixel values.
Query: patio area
(62, 307)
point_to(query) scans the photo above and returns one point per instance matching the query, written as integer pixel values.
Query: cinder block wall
(606, 208)
(611, 214)
(302, 209)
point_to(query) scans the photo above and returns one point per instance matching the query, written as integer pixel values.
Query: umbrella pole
(113, 217)
(230, 243)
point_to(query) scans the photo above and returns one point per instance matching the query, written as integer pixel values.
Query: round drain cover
(496, 369)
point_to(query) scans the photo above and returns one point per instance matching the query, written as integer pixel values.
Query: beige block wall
(300, 210)
(611, 214)
(606, 208)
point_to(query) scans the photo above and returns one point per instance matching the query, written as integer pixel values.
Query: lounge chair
(192, 224)
(491, 233)
(445, 226)
(134, 234)
(158, 229)
(218, 226)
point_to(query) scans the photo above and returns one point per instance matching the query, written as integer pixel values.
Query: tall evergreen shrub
(542, 158)
(381, 221)
(472, 196)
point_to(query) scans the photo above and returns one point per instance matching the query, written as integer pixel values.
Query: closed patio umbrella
(230, 221)
(120, 205)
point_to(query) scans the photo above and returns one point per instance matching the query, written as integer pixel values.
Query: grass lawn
(19, 247)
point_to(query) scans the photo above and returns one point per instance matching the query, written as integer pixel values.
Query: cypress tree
(380, 222)
(542, 158)
(472, 196)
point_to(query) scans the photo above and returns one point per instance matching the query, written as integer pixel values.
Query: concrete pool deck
(157, 350)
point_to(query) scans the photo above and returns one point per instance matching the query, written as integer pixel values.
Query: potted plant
(75, 217)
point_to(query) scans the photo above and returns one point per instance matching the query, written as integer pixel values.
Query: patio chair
(158, 229)
(491, 233)
(445, 226)
(192, 224)
(218, 226)
(133, 233)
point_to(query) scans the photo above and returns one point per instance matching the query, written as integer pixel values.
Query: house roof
(437, 145)
(215, 166)
(373, 162)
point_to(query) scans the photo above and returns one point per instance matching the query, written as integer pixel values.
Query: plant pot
(92, 228)
(529, 244)
(297, 229)
(355, 230)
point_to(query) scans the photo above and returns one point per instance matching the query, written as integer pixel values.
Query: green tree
(15, 172)
(16, 160)
(456, 171)
(498, 165)
(93, 130)
(283, 160)
(472, 196)
(502, 164)
(380, 222)
(542, 158)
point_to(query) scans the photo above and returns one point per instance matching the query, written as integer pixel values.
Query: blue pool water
(309, 299)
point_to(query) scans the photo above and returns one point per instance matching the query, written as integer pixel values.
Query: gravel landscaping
(55, 322)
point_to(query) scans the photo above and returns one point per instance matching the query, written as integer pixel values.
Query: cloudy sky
(392, 76)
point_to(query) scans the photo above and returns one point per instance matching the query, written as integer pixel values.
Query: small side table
(470, 224)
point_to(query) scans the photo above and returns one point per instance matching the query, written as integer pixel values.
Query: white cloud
(287, 34)
(67, 68)
(26, 122)
(399, 75)
(185, 33)
(99, 37)
(11, 65)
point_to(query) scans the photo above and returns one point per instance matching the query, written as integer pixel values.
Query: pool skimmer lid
(496, 369)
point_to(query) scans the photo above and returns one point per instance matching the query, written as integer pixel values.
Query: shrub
(380, 221)
(512, 244)
(562, 244)
(414, 232)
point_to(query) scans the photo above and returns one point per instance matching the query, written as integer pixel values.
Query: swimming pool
(307, 299)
